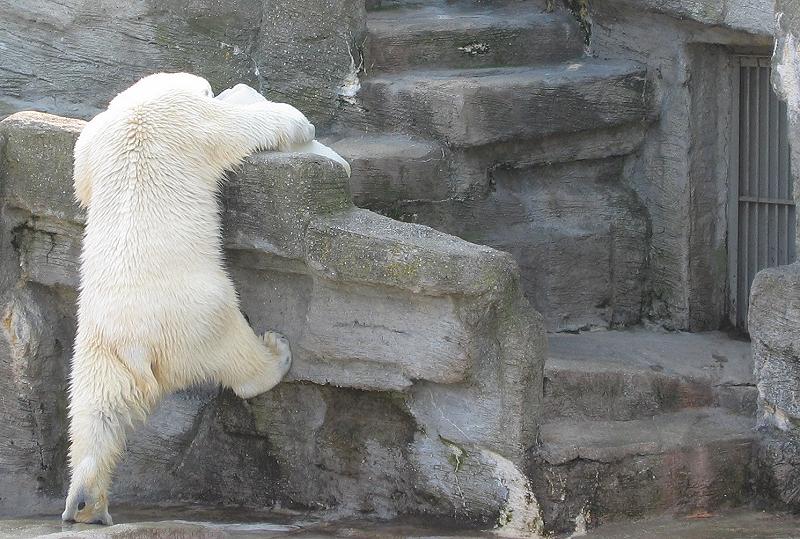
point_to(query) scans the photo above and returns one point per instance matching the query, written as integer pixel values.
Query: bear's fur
(157, 310)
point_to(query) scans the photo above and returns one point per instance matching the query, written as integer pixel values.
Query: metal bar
(783, 214)
(785, 181)
(733, 193)
(773, 144)
(772, 174)
(755, 171)
(744, 133)
(763, 167)
(744, 189)
(763, 131)
(766, 200)
(792, 225)
(753, 124)
(772, 251)
(752, 251)
(783, 161)
(744, 259)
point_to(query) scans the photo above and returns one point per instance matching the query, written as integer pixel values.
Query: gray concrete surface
(199, 523)
(737, 524)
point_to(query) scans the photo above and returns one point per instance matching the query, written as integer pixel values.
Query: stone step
(389, 5)
(468, 108)
(624, 375)
(593, 472)
(447, 36)
(387, 168)
(564, 223)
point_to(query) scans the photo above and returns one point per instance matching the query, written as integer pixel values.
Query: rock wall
(654, 246)
(417, 378)
(774, 316)
(71, 58)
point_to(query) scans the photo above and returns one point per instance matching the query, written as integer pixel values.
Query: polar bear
(157, 310)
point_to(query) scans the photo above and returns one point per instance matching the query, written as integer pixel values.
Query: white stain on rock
(474, 49)
(521, 516)
(787, 73)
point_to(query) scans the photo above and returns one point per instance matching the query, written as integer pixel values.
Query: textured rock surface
(418, 363)
(469, 36)
(192, 522)
(646, 101)
(495, 84)
(73, 57)
(786, 74)
(773, 321)
(749, 16)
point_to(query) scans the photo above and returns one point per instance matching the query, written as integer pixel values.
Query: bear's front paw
(298, 129)
(241, 94)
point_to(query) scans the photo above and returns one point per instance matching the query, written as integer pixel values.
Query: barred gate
(761, 233)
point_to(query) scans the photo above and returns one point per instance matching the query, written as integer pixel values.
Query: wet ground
(204, 523)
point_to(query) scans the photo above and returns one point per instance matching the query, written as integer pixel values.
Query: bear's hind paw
(279, 346)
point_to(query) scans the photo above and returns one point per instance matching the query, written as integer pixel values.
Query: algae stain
(457, 453)
(580, 10)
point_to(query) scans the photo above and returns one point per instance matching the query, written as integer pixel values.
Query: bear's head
(161, 84)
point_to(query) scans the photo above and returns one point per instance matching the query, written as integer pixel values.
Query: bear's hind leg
(106, 400)
(252, 364)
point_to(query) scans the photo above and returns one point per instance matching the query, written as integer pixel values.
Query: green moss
(401, 272)
(214, 26)
(392, 212)
(580, 9)
(720, 258)
(161, 35)
(505, 517)
(457, 453)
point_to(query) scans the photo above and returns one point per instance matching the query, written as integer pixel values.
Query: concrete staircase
(487, 121)
(640, 422)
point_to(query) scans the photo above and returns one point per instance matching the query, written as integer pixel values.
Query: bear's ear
(82, 176)
(82, 171)
(82, 184)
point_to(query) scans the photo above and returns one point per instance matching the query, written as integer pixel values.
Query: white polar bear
(157, 311)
